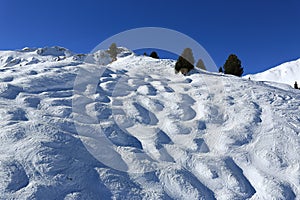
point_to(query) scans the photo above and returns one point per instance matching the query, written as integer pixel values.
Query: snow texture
(202, 136)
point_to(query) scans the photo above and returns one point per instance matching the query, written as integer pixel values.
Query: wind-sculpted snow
(135, 130)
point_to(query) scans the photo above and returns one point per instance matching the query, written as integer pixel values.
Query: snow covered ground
(286, 73)
(202, 136)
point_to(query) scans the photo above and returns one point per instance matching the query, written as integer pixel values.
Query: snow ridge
(286, 73)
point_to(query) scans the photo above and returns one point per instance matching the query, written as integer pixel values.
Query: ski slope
(286, 73)
(202, 136)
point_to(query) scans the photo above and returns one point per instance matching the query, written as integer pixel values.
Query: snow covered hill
(286, 73)
(202, 136)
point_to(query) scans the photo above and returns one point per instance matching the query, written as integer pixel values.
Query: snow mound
(286, 73)
(167, 136)
(9, 91)
(28, 56)
(102, 57)
(124, 52)
(54, 51)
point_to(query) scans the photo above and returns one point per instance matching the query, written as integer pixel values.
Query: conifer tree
(185, 62)
(200, 64)
(233, 66)
(113, 51)
(296, 85)
(221, 70)
(188, 55)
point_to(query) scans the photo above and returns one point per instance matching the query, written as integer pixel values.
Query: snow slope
(286, 73)
(202, 136)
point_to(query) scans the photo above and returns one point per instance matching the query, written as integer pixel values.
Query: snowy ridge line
(286, 73)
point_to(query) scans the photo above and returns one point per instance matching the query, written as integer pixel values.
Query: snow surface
(208, 135)
(286, 73)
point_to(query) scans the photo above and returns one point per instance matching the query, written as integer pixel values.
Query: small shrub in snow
(153, 54)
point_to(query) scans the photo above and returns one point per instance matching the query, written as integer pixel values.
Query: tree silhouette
(185, 62)
(200, 64)
(233, 66)
(296, 85)
(188, 55)
(221, 70)
(113, 51)
(153, 54)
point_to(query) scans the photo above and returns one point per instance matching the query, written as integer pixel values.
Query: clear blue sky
(262, 33)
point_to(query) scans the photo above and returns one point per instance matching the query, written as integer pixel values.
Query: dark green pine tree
(296, 85)
(200, 64)
(185, 62)
(233, 66)
(221, 70)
